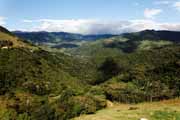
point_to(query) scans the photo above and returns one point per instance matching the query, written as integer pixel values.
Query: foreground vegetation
(36, 84)
(164, 110)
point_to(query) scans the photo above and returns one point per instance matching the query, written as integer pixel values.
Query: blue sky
(90, 16)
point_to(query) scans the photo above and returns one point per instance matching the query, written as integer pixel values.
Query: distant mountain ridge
(173, 36)
(130, 42)
(70, 40)
(55, 37)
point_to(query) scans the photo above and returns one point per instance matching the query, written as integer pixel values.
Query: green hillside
(58, 39)
(36, 81)
(40, 84)
(128, 43)
(7, 39)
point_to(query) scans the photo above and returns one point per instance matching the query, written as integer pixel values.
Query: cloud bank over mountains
(144, 16)
(89, 26)
(96, 26)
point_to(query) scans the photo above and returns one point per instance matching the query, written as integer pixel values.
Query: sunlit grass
(147, 44)
(164, 110)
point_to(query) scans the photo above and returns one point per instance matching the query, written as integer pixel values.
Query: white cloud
(90, 26)
(170, 26)
(177, 5)
(150, 13)
(84, 26)
(2, 20)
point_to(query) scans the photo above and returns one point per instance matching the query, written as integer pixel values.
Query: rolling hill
(56, 38)
(128, 43)
(69, 40)
(173, 36)
(31, 79)
(36, 84)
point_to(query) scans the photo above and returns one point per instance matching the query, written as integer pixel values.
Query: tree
(109, 69)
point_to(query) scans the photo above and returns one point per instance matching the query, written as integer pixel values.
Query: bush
(45, 112)
(71, 105)
(7, 82)
(5, 43)
(125, 93)
(39, 87)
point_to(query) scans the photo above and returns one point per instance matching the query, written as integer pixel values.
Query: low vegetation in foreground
(164, 110)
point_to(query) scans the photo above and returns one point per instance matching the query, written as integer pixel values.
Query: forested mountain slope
(36, 84)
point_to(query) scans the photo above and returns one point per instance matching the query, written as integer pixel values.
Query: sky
(90, 16)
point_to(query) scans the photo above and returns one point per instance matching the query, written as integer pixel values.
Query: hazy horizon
(90, 16)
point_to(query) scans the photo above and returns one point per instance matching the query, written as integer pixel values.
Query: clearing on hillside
(164, 110)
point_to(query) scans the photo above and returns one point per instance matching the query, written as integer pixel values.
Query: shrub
(45, 112)
(125, 93)
(4, 43)
(39, 87)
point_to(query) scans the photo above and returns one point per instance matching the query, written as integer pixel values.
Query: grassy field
(164, 110)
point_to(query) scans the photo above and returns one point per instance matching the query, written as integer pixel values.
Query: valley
(131, 71)
(89, 60)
